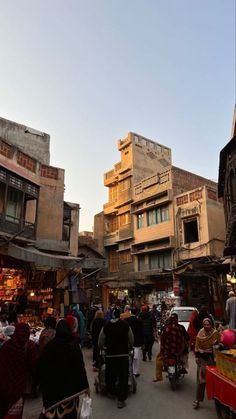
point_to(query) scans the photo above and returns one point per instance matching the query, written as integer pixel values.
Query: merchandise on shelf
(42, 297)
(30, 318)
(10, 280)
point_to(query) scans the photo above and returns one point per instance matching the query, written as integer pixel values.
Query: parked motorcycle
(175, 372)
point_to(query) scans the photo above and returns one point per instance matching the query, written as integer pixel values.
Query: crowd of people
(54, 365)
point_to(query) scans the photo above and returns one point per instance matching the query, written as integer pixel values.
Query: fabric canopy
(42, 259)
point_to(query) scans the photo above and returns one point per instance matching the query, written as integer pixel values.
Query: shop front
(28, 283)
(115, 291)
(155, 289)
(26, 295)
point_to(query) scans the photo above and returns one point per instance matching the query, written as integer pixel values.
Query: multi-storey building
(227, 192)
(227, 189)
(140, 158)
(157, 217)
(38, 229)
(32, 192)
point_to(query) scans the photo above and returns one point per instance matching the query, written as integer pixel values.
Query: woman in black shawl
(62, 375)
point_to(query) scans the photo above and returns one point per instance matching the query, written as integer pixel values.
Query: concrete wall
(149, 158)
(201, 205)
(74, 232)
(50, 207)
(99, 226)
(216, 222)
(30, 141)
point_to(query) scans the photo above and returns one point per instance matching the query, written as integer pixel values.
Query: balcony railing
(126, 232)
(124, 197)
(109, 174)
(111, 238)
(13, 225)
(109, 207)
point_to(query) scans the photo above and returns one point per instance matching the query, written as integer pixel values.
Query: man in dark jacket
(149, 325)
(117, 337)
(137, 329)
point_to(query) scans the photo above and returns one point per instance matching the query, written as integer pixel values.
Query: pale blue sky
(88, 72)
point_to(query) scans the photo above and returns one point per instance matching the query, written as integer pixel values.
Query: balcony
(125, 232)
(111, 238)
(126, 169)
(12, 225)
(110, 177)
(124, 143)
(124, 198)
(93, 263)
(118, 173)
(155, 245)
(109, 207)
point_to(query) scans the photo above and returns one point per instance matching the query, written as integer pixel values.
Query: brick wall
(49, 172)
(185, 181)
(5, 149)
(26, 161)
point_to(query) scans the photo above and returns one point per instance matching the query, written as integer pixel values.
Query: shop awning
(42, 259)
(119, 284)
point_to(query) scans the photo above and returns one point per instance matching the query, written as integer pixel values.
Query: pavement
(152, 400)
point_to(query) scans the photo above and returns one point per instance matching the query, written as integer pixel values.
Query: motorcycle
(175, 372)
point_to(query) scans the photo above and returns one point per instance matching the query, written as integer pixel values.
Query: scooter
(175, 372)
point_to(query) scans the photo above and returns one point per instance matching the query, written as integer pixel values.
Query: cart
(223, 391)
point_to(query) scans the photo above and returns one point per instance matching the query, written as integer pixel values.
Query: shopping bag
(86, 408)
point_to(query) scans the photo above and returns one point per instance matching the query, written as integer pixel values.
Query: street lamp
(233, 279)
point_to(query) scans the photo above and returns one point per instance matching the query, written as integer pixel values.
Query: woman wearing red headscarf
(73, 325)
(17, 362)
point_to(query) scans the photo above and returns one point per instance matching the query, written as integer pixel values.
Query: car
(184, 314)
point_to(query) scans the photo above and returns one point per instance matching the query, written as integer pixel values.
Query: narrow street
(152, 400)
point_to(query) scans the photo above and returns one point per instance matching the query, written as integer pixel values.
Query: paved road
(152, 400)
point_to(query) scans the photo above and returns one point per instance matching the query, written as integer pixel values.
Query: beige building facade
(157, 217)
(38, 229)
(32, 192)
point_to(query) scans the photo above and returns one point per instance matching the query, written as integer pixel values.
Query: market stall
(221, 383)
(10, 281)
(36, 291)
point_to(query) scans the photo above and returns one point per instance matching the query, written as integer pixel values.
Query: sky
(87, 72)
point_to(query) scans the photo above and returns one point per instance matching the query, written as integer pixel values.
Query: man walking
(117, 337)
(137, 329)
(231, 310)
(149, 325)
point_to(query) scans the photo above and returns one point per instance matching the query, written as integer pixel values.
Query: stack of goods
(31, 319)
(226, 359)
(10, 280)
(226, 363)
